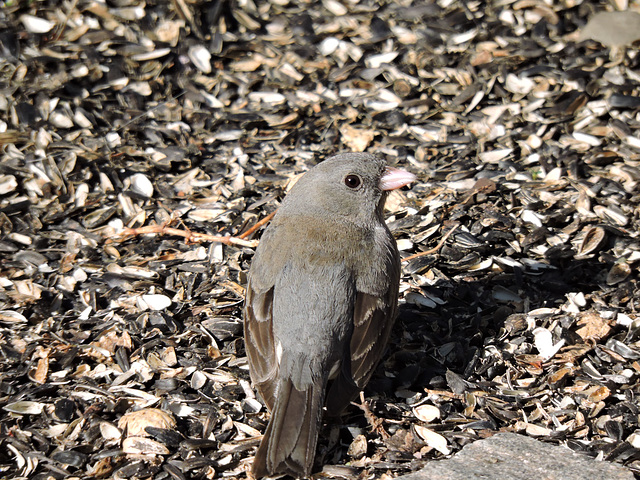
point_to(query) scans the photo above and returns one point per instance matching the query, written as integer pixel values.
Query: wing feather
(373, 320)
(259, 343)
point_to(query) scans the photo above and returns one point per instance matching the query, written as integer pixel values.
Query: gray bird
(321, 301)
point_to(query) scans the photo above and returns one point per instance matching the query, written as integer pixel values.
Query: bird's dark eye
(352, 181)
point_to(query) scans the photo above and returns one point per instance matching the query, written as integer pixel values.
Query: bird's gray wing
(267, 263)
(259, 343)
(373, 320)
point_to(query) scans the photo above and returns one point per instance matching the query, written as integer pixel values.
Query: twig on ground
(189, 236)
(262, 222)
(374, 422)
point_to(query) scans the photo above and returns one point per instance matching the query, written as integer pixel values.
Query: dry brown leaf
(357, 139)
(135, 423)
(559, 374)
(358, 447)
(597, 393)
(39, 374)
(594, 327)
(111, 340)
(571, 353)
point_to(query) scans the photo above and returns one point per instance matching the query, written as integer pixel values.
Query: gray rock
(509, 456)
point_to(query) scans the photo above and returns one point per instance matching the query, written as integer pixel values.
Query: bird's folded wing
(373, 320)
(259, 342)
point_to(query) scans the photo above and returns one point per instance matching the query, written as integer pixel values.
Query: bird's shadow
(475, 313)
(443, 348)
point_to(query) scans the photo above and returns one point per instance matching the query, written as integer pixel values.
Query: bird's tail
(289, 443)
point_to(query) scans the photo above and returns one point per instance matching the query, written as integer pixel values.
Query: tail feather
(289, 443)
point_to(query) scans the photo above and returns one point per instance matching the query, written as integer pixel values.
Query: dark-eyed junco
(320, 304)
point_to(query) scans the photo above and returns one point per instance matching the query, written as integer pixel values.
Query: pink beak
(395, 178)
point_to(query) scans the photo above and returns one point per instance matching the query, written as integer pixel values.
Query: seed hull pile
(142, 142)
